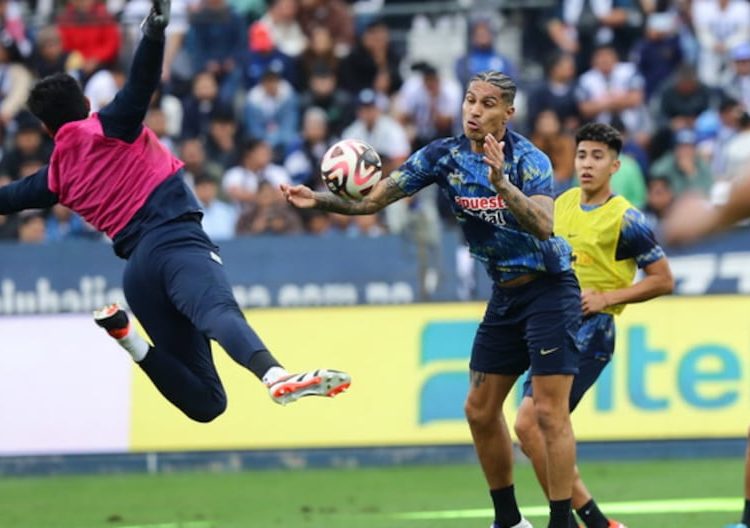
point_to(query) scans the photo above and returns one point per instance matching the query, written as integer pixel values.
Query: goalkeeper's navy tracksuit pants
(175, 284)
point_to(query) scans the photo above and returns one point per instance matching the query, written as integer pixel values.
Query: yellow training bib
(593, 235)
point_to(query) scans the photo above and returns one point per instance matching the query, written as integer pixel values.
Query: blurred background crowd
(254, 91)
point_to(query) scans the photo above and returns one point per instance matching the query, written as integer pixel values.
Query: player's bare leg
(492, 442)
(551, 403)
(532, 444)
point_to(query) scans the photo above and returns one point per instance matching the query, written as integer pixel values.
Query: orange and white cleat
(114, 320)
(321, 382)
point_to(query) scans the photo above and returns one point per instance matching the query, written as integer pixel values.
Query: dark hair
(500, 80)
(57, 100)
(601, 133)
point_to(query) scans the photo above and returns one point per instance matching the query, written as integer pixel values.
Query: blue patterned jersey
(495, 237)
(637, 240)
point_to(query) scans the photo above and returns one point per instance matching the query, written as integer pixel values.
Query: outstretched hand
(299, 196)
(494, 157)
(688, 220)
(157, 19)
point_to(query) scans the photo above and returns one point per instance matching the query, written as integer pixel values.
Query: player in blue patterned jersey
(610, 239)
(500, 188)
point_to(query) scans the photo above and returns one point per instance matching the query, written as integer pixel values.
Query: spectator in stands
(324, 93)
(737, 151)
(713, 147)
(49, 56)
(8, 223)
(319, 54)
(557, 92)
(379, 130)
(737, 84)
(281, 20)
(369, 226)
(720, 25)
(30, 143)
(12, 24)
(373, 61)
(428, 105)
(269, 214)
(86, 27)
(629, 181)
(317, 223)
(102, 86)
(241, 183)
(684, 98)
(216, 41)
(249, 10)
(31, 227)
(685, 170)
(219, 218)
(580, 26)
(272, 111)
(156, 120)
(193, 155)
(303, 163)
(613, 91)
(203, 101)
(335, 15)
(63, 224)
(222, 139)
(481, 55)
(659, 53)
(15, 80)
(130, 21)
(262, 52)
(559, 145)
(173, 111)
(659, 200)
(680, 103)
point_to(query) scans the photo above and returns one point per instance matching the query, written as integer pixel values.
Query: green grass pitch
(407, 497)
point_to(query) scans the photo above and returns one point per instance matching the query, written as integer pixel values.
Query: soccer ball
(351, 168)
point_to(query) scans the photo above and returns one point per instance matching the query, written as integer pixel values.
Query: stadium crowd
(254, 92)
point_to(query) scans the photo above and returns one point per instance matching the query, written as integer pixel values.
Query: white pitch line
(191, 524)
(722, 504)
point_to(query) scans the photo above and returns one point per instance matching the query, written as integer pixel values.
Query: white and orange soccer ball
(351, 168)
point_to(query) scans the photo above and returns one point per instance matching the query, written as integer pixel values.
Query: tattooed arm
(534, 213)
(385, 192)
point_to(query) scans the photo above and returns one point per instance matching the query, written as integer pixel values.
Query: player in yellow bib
(610, 240)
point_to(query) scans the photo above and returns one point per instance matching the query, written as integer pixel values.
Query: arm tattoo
(385, 192)
(532, 216)
(476, 378)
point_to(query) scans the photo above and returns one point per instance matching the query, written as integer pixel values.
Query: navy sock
(746, 513)
(260, 362)
(592, 516)
(507, 513)
(559, 514)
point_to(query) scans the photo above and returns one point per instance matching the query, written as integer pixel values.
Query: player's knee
(551, 418)
(209, 410)
(525, 425)
(478, 414)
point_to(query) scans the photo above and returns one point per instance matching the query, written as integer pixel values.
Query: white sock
(136, 346)
(274, 374)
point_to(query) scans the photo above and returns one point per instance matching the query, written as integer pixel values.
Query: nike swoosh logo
(545, 351)
(216, 258)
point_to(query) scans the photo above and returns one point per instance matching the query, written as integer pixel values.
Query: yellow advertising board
(680, 371)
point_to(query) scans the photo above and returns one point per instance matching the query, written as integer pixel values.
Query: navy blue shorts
(530, 325)
(596, 340)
